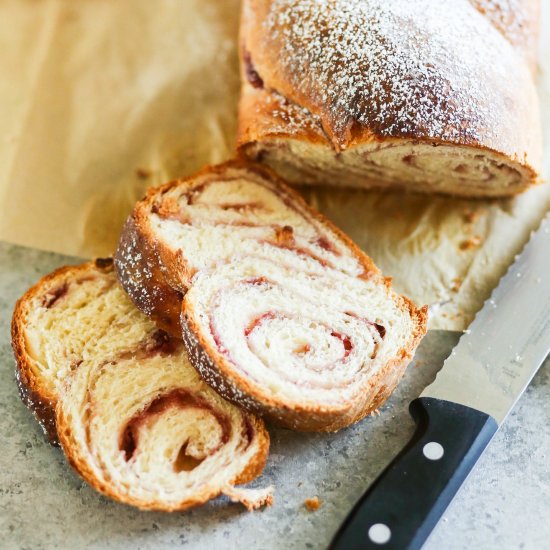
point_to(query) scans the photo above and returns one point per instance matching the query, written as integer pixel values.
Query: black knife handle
(400, 509)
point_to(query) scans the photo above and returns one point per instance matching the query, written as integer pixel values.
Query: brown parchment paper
(100, 99)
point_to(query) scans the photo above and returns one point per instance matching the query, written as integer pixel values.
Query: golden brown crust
(139, 271)
(32, 390)
(219, 376)
(287, 106)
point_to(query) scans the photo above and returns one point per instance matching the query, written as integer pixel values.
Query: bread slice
(133, 417)
(281, 312)
(312, 351)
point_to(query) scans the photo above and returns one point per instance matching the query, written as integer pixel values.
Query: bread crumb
(313, 504)
(470, 243)
(251, 499)
(143, 173)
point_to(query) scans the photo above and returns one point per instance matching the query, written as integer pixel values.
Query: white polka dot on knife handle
(433, 450)
(379, 533)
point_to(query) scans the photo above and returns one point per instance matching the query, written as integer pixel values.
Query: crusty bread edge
(152, 295)
(36, 398)
(252, 137)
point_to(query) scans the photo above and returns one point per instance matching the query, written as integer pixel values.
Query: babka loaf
(422, 95)
(281, 312)
(133, 417)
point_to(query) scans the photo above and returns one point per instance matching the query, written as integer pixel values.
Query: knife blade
(459, 413)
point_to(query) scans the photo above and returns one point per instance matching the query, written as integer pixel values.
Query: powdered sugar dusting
(400, 67)
(136, 274)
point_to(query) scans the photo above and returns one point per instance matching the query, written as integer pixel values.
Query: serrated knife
(458, 414)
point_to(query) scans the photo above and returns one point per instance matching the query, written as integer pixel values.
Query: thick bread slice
(133, 417)
(270, 287)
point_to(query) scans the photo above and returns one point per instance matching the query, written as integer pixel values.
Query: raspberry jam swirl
(191, 452)
(275, 334)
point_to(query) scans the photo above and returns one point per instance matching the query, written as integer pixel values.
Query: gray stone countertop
(505, 503)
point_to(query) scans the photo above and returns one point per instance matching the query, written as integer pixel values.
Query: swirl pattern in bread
(312, 351)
